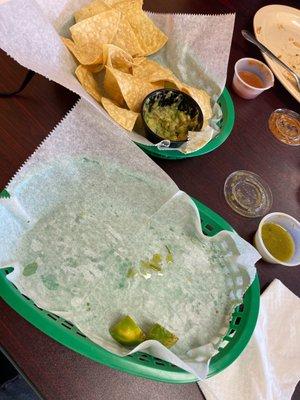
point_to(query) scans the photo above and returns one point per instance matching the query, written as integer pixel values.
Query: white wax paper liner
(82, 133)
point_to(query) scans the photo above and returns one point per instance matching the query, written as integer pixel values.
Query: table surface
(26, 119)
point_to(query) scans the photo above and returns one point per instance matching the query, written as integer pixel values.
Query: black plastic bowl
(167, 97)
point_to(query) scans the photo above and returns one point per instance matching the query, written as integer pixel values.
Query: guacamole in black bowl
(169, 114)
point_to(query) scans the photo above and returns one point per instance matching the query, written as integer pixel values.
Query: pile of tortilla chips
(110, 41)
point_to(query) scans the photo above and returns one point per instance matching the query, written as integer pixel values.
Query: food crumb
(280, 27)
(258, 30)
(297, 44)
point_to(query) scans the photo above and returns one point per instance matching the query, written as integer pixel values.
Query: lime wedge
(165, 337)
(127, 332)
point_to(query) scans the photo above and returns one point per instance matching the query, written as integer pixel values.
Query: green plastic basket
(241, 327)
(226, 125)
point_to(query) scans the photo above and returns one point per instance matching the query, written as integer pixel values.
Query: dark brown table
(26, 119)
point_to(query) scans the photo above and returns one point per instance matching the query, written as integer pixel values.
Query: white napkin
(269, 368)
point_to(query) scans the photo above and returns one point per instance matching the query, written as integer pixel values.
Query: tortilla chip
(95, 68)
(169, 84)
(202, 98)
(117, 58)
(96, 30)
(145, 68)
(111, 2)
(125, 118)
(111, 87)
(84, 54)
(139, 126)
(150, 38)
(133, 89)
(138, 60)
(125, 5)
(93, 8)
(151, 71)
(87, 80)
(126, 39)
(197, 140)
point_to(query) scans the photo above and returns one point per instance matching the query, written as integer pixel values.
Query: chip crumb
(258, 30)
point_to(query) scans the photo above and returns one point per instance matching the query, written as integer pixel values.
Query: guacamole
(169, 122)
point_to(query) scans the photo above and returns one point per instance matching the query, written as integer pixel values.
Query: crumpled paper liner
(50, 179)
(197, 51)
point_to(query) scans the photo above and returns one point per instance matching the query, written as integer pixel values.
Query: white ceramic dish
(278, 28)
(291, 225)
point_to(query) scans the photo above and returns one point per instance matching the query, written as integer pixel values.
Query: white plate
(278, 28)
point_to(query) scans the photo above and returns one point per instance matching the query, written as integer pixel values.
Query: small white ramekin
(243, 89)
(291, 225)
